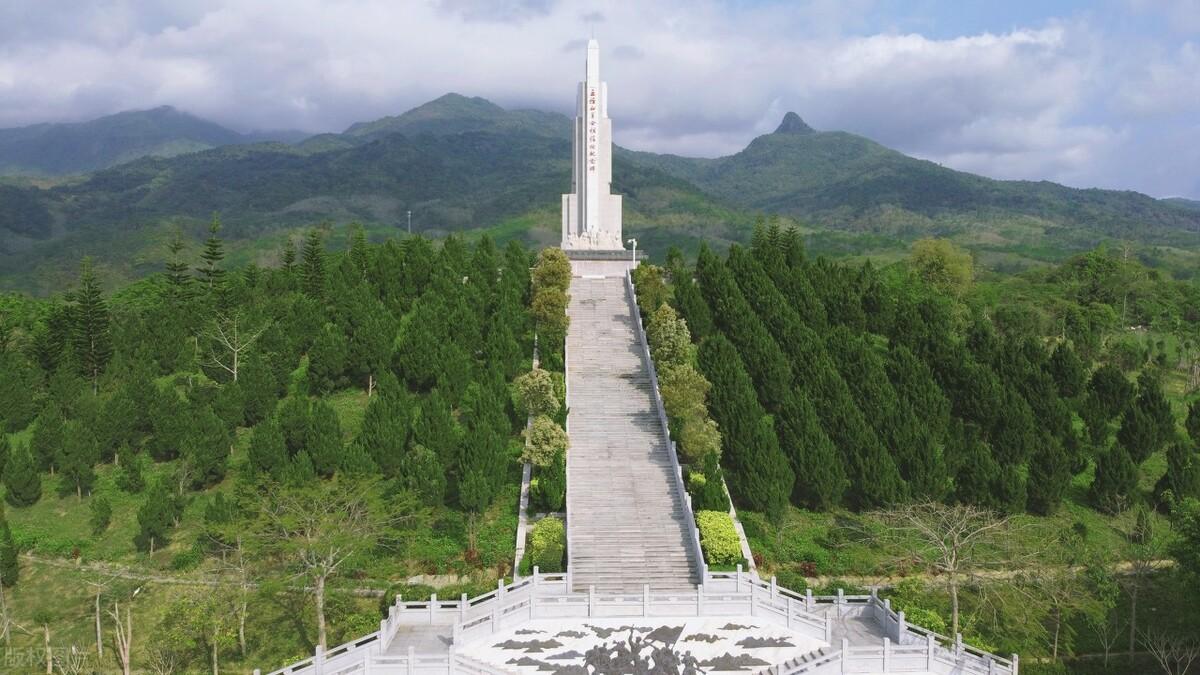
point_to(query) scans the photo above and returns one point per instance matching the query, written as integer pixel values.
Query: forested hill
(462, 164)
(57, 149)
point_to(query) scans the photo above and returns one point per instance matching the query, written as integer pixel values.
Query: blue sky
(1091, 94)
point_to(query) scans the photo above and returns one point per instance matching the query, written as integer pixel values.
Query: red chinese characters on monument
(591, 130)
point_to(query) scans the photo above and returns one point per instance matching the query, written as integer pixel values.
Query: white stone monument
(591, 215)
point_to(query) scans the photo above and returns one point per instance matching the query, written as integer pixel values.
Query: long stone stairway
(627, 525)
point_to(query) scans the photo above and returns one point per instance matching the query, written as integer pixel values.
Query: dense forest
(174, 449)
(281, 446)
(1053, 407)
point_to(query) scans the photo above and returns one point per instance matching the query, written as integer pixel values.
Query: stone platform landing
(626, 524)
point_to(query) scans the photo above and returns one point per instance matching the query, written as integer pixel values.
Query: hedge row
(718, 538)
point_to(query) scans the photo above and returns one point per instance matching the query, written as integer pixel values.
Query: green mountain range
(63, 149)
(466, 164)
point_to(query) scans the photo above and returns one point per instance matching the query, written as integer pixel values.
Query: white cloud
(1057, 100)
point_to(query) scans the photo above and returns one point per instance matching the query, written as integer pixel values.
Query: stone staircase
(627, 525)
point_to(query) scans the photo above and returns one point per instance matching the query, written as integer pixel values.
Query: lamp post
(633, 255)
(410, 222)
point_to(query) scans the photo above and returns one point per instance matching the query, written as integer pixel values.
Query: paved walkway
(628, 527)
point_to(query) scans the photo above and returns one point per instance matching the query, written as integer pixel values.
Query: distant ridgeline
(461, 164)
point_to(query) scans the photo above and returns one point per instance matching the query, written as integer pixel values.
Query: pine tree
(76, 459)
(1068, 371)
(1115, 485)
(693, 309)
(259, 390)
(372, 332)
(90, 339)
(312, 266)
(1193, 422)
(299, 472)
(327, 361)
(761, 354)
(552, 484)
(5, 451)
(100, 514)
(356, 462)
(1049, 476)
(1110, 391)
(434, 427)
(1182, 479)
(324, 439)
(1148, 423)
(211, 274)
(422, 472)
(972, 464)
(47, 436)
(155, 517)
(169, 418)
(206, 447)
(22, 482)
(130, 475)
(179, 280)
(758, 472)
(385, 431)
(293, 422)
(819, 479)
(358, 250)
(267, 452)
(288, 257)
(10, 566)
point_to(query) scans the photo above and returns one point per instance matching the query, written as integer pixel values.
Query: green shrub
(547, 544)
(548, 490)
(705, 486)
(718, 538)
(187, 560)
(791, 578)
(925, 618)
(101, 514)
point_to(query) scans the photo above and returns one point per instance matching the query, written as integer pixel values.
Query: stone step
(627, 525)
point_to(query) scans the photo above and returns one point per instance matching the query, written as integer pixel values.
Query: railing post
(699, 600)
(463, 603)
(753, 600)
(958, 646)
(257, 671)
(500, 589)
(840, 600)
(929, 645)
(591, 600)
(808, 600)
(645, 599)
(887, 653)
(991, 665)
(319, 661)
(887, 611)
(845, 654)
(901, 628)
(384, 638)
(739, 579)
(828, 630)
(412, 660)
(535, 576)
(788, 623)
(1015, 664)
(432, 607)
(774, 587)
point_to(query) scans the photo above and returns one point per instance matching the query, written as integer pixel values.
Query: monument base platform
(601, 263)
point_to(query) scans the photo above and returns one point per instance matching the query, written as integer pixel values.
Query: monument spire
(591, 214)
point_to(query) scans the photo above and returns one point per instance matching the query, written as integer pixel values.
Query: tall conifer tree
(90, 338)
(211, 274)
(22, 482)
(312, 265)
